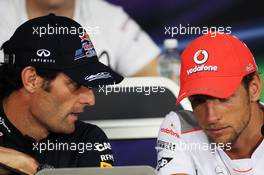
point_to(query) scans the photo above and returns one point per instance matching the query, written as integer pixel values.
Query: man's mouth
(73, 116)
(75, 113)
(216, 131)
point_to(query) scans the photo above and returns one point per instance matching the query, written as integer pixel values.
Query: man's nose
(212, 115)
(87, 97)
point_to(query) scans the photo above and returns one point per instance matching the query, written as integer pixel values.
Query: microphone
(262, 129)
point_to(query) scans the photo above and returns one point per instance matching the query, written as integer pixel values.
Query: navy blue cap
(58, 43)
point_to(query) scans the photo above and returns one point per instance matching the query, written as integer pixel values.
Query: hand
(18, 161)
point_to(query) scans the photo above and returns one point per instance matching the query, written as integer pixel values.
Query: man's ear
(30, 79)
(255, 88)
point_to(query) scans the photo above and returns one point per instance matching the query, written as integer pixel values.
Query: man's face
(58, 109)
(223, 120)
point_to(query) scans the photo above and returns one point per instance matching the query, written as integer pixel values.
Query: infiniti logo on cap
(43, 52)
(198, 54)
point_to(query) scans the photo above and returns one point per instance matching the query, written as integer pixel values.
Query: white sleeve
(136, 47)
(6, 22)
(128, 46)
(172, 157)
(133, 47)
(5, 25)
(12, 15)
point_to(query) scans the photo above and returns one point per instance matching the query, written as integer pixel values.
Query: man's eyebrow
(69, 80)
(194, 97)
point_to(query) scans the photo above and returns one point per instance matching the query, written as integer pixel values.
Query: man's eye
(197, 99)
(223, 100)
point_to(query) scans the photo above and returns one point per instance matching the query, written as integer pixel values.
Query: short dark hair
(247, 79)
(10, 78)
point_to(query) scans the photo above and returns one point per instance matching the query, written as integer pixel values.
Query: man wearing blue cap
(45, 83)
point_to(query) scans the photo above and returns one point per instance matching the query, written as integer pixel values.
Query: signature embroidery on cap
(87, 49)
(2, 122)
(43, 52)
(200, 57)
(100, 75)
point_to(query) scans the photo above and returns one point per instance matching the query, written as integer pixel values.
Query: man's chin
(221, 140)
(68, 129)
